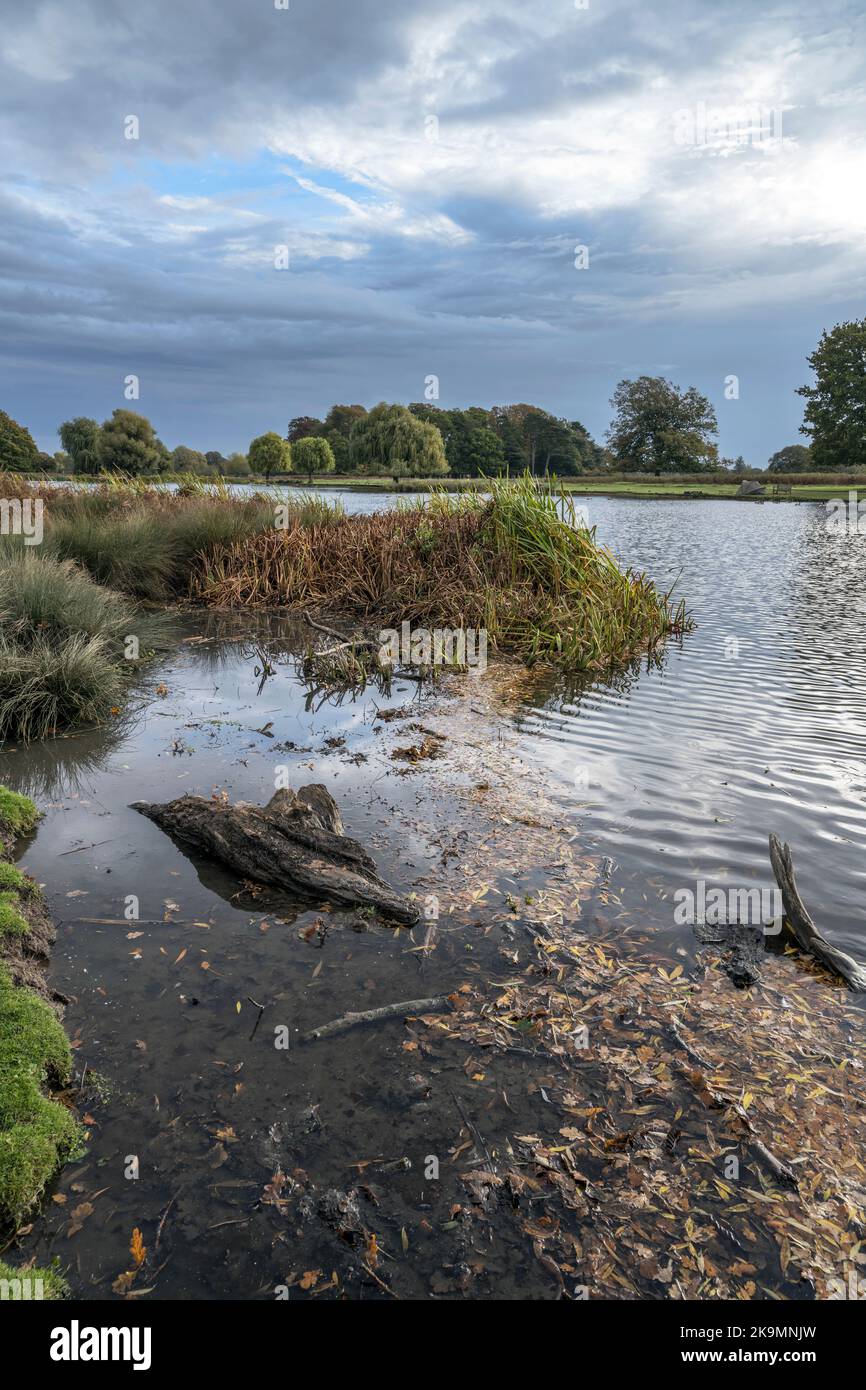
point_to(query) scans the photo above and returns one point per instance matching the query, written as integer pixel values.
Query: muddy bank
(588, 1115)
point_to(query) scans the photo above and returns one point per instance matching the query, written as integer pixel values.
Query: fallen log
(803, 929)
(295, 843)
(351, 1020)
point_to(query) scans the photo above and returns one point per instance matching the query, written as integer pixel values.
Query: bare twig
(351, 1020)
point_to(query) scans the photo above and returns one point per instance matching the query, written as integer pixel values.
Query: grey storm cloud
(432, 168)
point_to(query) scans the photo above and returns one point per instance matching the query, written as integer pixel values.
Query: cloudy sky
(431, 166)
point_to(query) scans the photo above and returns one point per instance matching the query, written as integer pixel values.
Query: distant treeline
(656, 429)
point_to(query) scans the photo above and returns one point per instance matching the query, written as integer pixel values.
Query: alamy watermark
(22, 516)
(719, 907)
(846, 518)
(25, 1290)
(441, 646)
(727, 127)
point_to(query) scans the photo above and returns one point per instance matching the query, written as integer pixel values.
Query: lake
(668, 774)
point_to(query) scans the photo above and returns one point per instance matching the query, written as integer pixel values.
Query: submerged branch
(806, 934)
(351, 1020)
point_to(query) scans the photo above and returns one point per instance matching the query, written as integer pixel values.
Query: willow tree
(270, 453)
(312, 454)
(391, 441)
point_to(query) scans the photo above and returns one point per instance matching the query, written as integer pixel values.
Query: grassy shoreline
(693, 488)
(38, 1133)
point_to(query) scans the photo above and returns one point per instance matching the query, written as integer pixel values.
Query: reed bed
(68, 605)
(517, 565)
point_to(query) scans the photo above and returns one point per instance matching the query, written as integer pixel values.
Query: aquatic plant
(518, 565)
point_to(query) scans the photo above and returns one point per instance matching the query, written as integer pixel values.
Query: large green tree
(303, 427)
(794, 458)
(390, 440)
(18, 449)
(80, 439)
(659, 429)
(268, 454)
(472, 449)
(835, 414)
(127, 444)
(186, 460)
(312, 454)
(337, 429)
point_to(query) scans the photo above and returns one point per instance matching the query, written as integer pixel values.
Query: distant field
(802, 492)
(601, 487)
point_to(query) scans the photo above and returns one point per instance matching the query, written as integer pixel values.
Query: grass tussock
(516, 565)
(63, 645)
(18, 816)
(144, 541)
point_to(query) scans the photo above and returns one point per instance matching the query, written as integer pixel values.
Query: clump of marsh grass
(63, 655)
(146, 541)
(517, 565)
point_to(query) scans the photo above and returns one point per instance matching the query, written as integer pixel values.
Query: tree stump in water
(295, 843)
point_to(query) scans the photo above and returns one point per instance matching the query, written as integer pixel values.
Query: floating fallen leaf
(137, 1247)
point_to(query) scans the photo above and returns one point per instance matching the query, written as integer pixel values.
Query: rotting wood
(803, 929)
(295, 843)
(351, 1020)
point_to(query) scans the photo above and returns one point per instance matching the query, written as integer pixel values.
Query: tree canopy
(312, 454)
(128, 444)
(659, 429)
(80, 439)
(269, 453)
(835, 414)
(18, 449)
(391, 440)
(794, 458)
(303, 427)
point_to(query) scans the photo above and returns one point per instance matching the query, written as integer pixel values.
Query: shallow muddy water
(179, 1073)
(664, 776)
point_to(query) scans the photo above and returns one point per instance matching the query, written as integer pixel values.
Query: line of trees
(656, 428)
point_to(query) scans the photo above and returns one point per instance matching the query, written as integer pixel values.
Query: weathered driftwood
(351, 1020)
(806, 934)
(295, 843)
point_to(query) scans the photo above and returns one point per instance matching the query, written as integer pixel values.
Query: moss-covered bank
(37, 1132)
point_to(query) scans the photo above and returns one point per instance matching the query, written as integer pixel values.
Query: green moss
(30, 1034)
(11, 921)
(10, 877)
(18, 815)
(33, 1283)
(36, 1134)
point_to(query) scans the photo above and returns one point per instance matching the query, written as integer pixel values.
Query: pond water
(756, 721)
